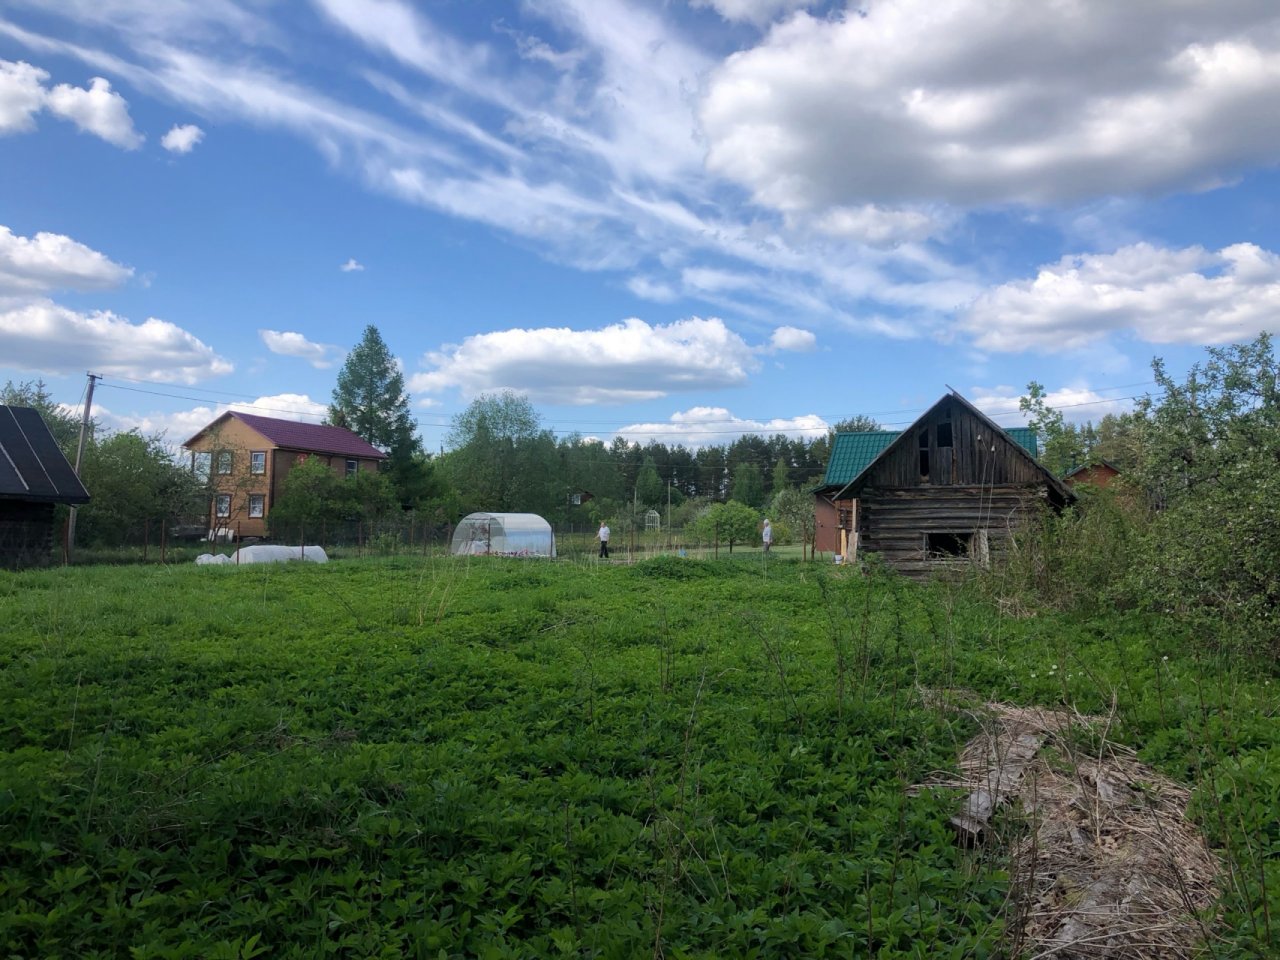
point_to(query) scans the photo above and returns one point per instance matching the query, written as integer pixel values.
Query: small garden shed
(952, 488)
(34, 477)
(504, 535)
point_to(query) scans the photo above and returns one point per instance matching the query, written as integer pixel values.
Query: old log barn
(34, 477)
(950, 489)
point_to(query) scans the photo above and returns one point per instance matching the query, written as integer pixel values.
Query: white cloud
(184, 424)
(290, 344)
(1077, 403)
(1191, 295)
(43, 336)
(51, 261)
(974, 102)
(97, 110)
(794, 339)
(352, 266)
(699, 426)
(646, 288)
(182, 139)
(599, 166)
(879, 226)
(758, 12)
(22, 96)
(622, 362)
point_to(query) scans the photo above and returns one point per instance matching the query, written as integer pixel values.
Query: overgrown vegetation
(1192, 527)
(447, 758)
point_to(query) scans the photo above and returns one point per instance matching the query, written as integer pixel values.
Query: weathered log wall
(896, 523)
(26, 533)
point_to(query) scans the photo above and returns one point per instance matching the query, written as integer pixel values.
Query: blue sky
(685, 219)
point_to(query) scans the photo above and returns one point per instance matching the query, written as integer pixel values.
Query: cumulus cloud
(22, 96)
(972, 102)
(183, 424)
(43, 336)
(794, 339)
(182, 139)
(97, 110)
(51, 261)
(290, 344)
(1190, 295)
(351, 266)
(699, 426)
(622, 362)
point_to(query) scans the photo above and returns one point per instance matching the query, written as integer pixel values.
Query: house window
(224, 462)
(222, 505)
(258, 462)
(201, 462)
(353, 466)
(575, 499)
(257, 502)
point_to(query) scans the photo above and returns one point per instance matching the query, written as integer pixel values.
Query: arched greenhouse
(504, 535)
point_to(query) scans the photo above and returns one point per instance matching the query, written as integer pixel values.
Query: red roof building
(247, 457)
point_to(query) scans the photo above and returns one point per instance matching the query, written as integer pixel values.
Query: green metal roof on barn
(851, 453)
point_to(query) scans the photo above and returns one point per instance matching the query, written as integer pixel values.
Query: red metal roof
(312, 437)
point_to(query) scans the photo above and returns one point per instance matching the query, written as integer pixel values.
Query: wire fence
(164, 543)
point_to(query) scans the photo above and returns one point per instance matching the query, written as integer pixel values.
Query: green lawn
(489, 758)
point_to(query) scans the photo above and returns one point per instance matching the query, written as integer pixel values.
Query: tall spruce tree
(370, 400)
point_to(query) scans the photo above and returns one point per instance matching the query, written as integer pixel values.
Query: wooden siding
(895, 523)
(969, 460)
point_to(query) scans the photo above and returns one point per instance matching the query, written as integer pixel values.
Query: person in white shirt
(603, 537)
(766, 535)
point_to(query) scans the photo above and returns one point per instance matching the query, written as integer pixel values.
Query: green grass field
(447, 758)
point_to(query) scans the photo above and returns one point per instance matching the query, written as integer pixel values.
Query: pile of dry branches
(1108, 864)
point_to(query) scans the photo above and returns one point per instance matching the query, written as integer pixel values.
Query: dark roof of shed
(32, 467)
(311, 437)
(851, 453)
(1026, 443)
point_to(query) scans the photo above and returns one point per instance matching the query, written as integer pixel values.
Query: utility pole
(84, 432)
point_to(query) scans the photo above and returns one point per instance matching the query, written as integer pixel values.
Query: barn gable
(951, 489)
(956, 444)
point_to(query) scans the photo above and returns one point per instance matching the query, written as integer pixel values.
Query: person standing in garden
(766, 535)
(603, 537)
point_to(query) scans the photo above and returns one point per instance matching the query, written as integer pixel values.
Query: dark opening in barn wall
(948, 544)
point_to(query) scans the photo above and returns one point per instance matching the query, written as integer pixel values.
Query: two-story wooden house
(246, 458)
